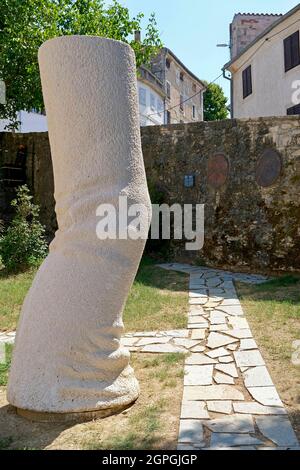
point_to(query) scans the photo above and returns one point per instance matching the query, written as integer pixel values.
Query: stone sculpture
(67, 361)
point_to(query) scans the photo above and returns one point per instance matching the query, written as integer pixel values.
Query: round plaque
(268, 168)
(217, 170)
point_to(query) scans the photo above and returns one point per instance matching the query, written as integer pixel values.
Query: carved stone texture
(68, 357)
(217, 170)
(268, 168)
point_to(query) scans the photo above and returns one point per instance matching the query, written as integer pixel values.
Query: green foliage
(215, 103)
(26, 24)
(23, 244)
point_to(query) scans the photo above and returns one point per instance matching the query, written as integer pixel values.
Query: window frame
(168, 89)
(290, 60)
(247, 81)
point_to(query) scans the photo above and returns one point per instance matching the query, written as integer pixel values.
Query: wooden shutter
(295, 49)
(247, 82)
(291, 51)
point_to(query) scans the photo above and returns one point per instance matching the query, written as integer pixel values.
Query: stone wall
(246, 172)
(245, 224)
(39, 173)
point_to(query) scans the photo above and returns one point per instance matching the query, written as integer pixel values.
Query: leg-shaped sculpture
(67, 356)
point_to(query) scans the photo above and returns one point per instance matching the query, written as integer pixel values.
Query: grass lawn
(273, 312)
(152, 423)
(13, 288)
(158, 299)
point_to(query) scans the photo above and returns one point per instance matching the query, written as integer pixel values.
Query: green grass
(4, 367)
(13, 288)
(158, 298)
(148, 424)
(273, 309)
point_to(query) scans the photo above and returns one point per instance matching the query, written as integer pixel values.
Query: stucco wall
(151, 112)
(272, 86)
(246, 224)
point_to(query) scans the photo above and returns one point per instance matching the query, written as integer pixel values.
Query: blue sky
(192, 28)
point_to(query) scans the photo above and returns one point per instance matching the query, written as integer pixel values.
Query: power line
(210, 83)
(266, 40)
(188, 99)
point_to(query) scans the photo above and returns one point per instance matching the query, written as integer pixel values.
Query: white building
(151, 98)
(264, 73)
(29, 122)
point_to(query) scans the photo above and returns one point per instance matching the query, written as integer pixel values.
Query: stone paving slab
(236, 372)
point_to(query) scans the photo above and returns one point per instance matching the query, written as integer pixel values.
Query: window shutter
(291, 51)
(288, 53)
(247, 82)
(295, 49)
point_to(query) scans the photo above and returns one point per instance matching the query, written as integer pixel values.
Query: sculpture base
(77, 417)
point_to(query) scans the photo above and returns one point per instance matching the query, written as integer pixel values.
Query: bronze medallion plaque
(217, 170)
(268, 168)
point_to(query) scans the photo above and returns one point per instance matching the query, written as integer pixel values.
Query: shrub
(23, 244)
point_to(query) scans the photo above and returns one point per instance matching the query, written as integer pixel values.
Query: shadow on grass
(149, 274)
(284, 289)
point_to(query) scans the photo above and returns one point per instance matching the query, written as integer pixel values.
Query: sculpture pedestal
(67, 357)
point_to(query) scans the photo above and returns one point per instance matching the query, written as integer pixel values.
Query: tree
(26, 24)
(215, 103)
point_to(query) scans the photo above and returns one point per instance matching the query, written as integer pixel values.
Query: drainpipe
(231, 92)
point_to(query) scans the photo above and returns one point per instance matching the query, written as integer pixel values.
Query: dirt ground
(151, 423)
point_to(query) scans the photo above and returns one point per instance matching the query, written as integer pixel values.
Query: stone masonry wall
(246, 172)
(245, 224)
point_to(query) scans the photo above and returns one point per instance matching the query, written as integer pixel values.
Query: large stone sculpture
(67, 360)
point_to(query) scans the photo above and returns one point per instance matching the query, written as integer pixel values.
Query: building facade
(265, 72)
(151, 98)
(167, 91)
(183, 90)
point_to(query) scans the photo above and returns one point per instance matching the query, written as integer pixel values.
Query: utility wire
(188, 99)
(266, 40)
(210, 83)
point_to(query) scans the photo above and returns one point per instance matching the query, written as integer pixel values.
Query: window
(168, 90)
(293, 110)
(168, 63)
(168, 117)
(160, 106)
(194, 111)
(177, 76)
(152, 102)
(247, 82)
(181, 76)
(291, 51)
(142, 96)
(194, 87)
(181, 102)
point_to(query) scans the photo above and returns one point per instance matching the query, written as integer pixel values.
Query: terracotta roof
(260, 14)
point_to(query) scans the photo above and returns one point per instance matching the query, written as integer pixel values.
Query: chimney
(137, 36)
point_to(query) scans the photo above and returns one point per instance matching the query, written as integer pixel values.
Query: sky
(193, 28)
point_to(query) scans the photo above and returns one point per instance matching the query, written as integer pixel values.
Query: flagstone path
(229, 400)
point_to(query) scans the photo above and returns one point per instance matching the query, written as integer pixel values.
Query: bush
(23, 244)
